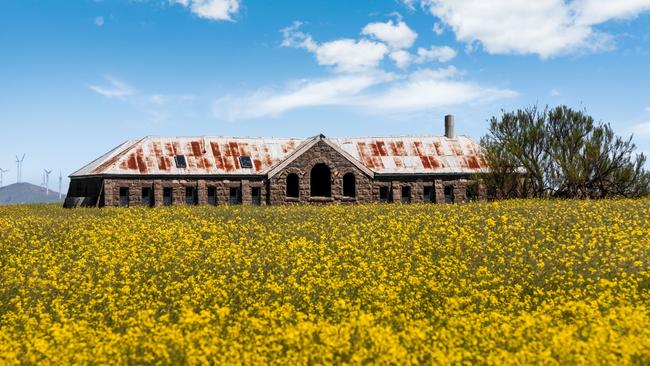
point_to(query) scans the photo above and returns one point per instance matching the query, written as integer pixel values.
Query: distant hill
(27, 193)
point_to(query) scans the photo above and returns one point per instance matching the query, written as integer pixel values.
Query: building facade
(158, 171)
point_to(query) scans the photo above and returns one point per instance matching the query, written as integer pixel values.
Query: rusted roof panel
(220, 155)
(416, 155)
(203, 155)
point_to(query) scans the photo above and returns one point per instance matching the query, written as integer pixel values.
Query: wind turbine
(47, 181)
(60, 180)
(2, 172)
(19, 170)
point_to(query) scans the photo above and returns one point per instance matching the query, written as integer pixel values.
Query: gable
(324, 150)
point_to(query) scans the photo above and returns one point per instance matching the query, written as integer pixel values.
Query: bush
(561, 152)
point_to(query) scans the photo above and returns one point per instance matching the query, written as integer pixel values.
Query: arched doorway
(320, 181)
(349, 188)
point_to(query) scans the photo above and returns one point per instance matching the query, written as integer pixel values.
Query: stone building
(159, 171)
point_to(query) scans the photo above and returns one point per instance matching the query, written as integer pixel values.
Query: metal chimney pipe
(449, 126)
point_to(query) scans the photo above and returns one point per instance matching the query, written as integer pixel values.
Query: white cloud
(435, 53)
(438, 29)
(348, 55)
(409, 4)
(371, 93)
(114, 89)
(555, 93)
(396, 36)
(401, 58)
(359, 82)
(429, 89)
(338, 90)
(211, 9)
(99, 21)
(345, 55)
(597, 11)
(647, 109)
(543, 27)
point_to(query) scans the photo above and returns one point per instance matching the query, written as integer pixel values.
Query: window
(124, 196)
(449, 194)
(256, 195)
(245, 162)
(320, 181)
(428, 195)
(471, 191)
(167, 196)
(180, 161)
(349, 188)
(384, 194)
(190, 195)
(235, 196)
(147, 197)
(293, 185)
(406, 194)
(212, 195)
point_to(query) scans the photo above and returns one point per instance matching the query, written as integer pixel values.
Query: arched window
(320, 181)
(293, 186)
(349, 186)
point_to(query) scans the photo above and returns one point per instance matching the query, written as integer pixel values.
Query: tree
(561, 152)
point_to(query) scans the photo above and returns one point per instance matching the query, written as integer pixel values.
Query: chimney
(449, 126)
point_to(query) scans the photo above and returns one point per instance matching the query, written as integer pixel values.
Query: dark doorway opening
(190, 195)
(321, 181)
(293, 185)
(147, 197)
(167, 196)
(256, 195)
(349, 185)
(384, 194)
(212, 195)
(406, 194)
(235, 196)
(471, 191)
(428, 195)
(124, 196)
(449, 194)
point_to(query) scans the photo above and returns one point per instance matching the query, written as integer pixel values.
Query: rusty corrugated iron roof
(416, 155)
(203, 156)
(220, 155)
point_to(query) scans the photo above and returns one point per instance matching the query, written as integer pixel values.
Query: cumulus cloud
(377, 92)
(543, 27)
(435, 53)
(99, 21)
(395, 35)
(211, 9)
(350, 55)
(345, 55)
(358, 80)
(401, 58)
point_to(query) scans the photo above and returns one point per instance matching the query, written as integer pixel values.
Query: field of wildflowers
(513, 282)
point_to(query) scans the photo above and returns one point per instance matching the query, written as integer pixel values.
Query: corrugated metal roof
(204, 156)
(220, 155)
(416, 155)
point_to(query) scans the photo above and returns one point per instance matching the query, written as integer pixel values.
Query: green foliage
(561, 152)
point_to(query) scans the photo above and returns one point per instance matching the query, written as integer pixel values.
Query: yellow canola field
(513, 282)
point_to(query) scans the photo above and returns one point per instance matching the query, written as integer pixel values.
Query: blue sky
(78, 77)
